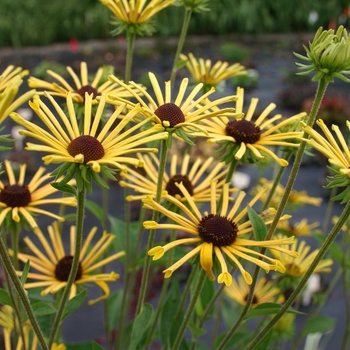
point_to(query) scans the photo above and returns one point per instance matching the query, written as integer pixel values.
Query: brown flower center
(243, 131)
(254, 301)
(15, 195)
(218, 230)
(173, 190)
(89, 89)
(63, 268)
(171, 113)
(88, 146)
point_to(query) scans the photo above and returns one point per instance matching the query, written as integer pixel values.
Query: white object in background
(312, 341)
(240, 180)
(313, 285)
(17, 137)
(25, 113)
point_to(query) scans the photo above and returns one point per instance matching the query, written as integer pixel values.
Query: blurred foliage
(37, 22)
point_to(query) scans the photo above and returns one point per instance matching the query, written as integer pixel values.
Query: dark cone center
(15, 195)
(173, 190)
(218, 230)
(88, 146)
(63, 268)
(89, 89)
(171, 113)
(243, 131)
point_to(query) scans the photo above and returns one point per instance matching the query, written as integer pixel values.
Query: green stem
(345, 284)
(180, 44)
(146, 266)
(130, 36)
(81, 197)
(327, 243)
(196, 293)
(22, 293)
(328, 213)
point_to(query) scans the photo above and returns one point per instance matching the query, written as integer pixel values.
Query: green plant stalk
(345, 283)
(81, 197)
(181, 42)
(325, 246)
(155, 215)
(190, 308)
(276, 181)
(21, 292)
(130, 36)
(321, 88)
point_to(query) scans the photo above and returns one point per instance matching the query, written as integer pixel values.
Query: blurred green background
(40, 22)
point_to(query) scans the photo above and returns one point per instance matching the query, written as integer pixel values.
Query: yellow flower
(21, 201)
(338, 154)
(296, 267)
(245, 137)
(82, 84)
(177, 114)
(215, 234)
(90, 146)
(53, 264)
(193, 177)
(265, 291)
(136, 11)
(210, 75)
(300, 228)
(10, 82)
(296, 198)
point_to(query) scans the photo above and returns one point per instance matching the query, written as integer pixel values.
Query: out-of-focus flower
(247, 139)
(215, 234)
(53, 264)
(296, 267)
(21, 202)
(83, 83)
(135, 15)
(264, 292)
(300, 228)
(193, 176)
(202, 71)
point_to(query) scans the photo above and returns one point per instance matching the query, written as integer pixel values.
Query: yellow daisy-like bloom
(136, 11)
(82, 84)
(296, 267)
(190, 175)
(215, 235)
(265, 291)
(20, 201)
(300, 228)
(180, 113)
(247, 137)
(296, 198)
(90, 146)
(10, 82)
(338, 153)
(53, 268)
(202, 71)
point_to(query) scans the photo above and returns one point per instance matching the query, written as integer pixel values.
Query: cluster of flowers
(94, 127)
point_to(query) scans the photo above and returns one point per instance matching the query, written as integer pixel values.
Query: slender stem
(328, 213)
(345, 284)
(130, 36)
(146, 267)
(22, 293)
(81, 197)
(180, 44)
(190, 308)
(327, 243)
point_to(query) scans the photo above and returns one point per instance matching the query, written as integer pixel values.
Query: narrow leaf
(140, 325)
(258, 224)
(25, 272)
(74, 303)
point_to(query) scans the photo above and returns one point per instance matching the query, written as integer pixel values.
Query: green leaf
(64, 188)
(74, 303)
(96, 346)
(85, 346)
(318, 324)
(140, 325)
(42, 308)
(206, 295)
(258, 224)
(5, 297)
(268, 309)
(95, 209)
(25, 272)
(168, 312)
(264, 343)
(113, 303)
(238, 339)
